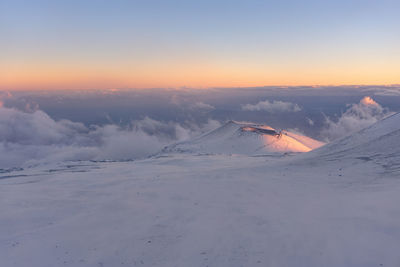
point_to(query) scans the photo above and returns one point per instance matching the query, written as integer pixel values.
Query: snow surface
(335, 206)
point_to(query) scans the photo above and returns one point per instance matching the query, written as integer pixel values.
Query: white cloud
(356, 117)
(190, 103)
(203, 106)
(4, 95)
(310, 121)
(272, 107)
(33, 138)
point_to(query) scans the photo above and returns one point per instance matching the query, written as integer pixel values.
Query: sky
(100, 44)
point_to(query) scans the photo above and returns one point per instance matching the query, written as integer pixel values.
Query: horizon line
(204, 88)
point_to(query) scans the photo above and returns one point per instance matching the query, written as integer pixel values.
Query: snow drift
(246, 138)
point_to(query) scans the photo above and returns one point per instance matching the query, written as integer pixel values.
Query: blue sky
(261, 42)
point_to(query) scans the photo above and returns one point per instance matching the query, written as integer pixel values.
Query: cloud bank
(34, 138)
(272, 107)
(355, 118)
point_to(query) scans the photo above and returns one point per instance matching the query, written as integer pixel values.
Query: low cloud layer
(355, 118)
(272, 107)
(28, 138)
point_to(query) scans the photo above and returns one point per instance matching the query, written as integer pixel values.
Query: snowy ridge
(378, 143)
(366, 138)
(247, 139)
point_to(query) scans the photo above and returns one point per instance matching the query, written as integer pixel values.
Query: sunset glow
(119, 44)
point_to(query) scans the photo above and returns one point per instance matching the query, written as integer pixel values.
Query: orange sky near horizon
(54, 45)
(48, 77)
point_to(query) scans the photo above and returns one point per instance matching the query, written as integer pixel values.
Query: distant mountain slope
(246, 138)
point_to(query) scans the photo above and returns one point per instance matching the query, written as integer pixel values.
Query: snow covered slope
(246, 138)
(379, 143)
(335, 206)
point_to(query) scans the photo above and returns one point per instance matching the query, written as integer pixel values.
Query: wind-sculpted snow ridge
(379, 143)
(246, 139)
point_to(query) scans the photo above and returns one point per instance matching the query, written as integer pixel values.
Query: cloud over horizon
(28, 138)
(56, 126)
(355, 118)
(203, 106)
(272, 106)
